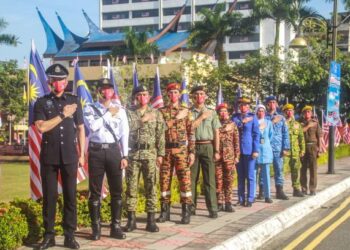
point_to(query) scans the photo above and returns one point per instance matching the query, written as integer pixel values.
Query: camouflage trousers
(294, 165)
(175, 159)
(149, 172)
(224, 179)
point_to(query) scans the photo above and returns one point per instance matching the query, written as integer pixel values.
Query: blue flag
(135, 79)
(83, 91)
(38, 86)
(116, 96)
(220, 97)
(185, 98)
(157, 99)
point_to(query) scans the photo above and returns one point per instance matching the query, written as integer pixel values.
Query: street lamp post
(300, 42)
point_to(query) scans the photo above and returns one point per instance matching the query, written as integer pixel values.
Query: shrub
(13, 227)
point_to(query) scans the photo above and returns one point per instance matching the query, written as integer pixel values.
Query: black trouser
(49, 175)
(103, 161)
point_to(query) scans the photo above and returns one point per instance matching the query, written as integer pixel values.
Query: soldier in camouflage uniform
(179, 154)
(312, 134)
(147, 149)
(229, 156)
(297, 148)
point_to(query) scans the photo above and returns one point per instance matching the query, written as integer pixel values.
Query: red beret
(222, 106)
(173, 86)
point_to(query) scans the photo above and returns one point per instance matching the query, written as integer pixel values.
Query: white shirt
(97, 125)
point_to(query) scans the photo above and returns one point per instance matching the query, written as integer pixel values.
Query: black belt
(175, 144)
(203, 142)
(96, 145)
(142, 146)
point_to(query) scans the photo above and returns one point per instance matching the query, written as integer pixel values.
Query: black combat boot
(48, 241)
(297, 193)
(228, 207)
(193, 209)
(261, 193)
(268, 200)
(186, 214)
(131, 224)
(164, 213)
(116, 212)
(94, 209)
(280, 194)
(151, 223)
(220, 207)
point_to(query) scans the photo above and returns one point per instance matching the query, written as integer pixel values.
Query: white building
(115, 15)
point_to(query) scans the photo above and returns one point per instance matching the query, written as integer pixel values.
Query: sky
(23, 21)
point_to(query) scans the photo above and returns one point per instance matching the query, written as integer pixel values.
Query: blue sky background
(24, 21)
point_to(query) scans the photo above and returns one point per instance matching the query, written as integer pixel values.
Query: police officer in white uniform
(108, 153)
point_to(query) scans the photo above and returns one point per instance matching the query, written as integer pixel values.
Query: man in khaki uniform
(312, 133)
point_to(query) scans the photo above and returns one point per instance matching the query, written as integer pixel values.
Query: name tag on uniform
(262, 141)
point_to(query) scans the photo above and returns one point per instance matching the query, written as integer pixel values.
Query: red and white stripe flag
(157, 99)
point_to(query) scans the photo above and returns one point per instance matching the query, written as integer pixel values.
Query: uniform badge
(49, 103)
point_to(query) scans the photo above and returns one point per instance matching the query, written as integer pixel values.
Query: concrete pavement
(247, 228)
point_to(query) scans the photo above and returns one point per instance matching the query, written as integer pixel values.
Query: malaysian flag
(85, 98)
(135, 79)
(157, 99)
(37, 88)
(220, 97)
(185, 98)
(116, 97)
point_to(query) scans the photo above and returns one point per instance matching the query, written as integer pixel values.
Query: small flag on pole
(157, 99)
(135, 79)
(116, 97)
(185, 98)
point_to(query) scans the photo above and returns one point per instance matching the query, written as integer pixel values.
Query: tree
(12, 81)
(211, 31)
(136, 46)
(7, 39)
(289, 11)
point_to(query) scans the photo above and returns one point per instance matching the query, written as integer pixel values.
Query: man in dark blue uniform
(249, 136)
(58, 116)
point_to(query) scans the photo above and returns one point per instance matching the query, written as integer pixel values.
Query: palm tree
(136, 46)
(7, 39)
(208, 35)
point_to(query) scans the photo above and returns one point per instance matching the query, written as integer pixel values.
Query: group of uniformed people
(142, 139)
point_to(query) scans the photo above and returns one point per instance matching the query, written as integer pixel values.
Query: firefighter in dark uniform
(58, 116)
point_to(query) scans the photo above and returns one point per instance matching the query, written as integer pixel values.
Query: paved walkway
(203, 232)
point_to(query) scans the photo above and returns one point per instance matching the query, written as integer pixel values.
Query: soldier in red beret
(229, 156)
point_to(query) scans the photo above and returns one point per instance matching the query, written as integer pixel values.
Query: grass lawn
(14, 181)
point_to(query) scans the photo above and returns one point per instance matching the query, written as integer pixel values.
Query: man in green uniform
(312, 133)
(207, 126)
(179, 154)
(297, 148)
(147, 149)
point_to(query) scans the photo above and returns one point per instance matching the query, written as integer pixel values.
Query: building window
(140, 1)
(114, 29)
(145, 13)
(116, 15)
(143, 28)
(109, 2)
(174, 11)
(83, 63)
(208, 6)
(240, 54)
(244, 6)
(245, 38)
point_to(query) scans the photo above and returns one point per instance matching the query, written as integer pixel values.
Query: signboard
(333, 94)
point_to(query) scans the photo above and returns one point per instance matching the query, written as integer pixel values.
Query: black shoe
(70, 242)
(164, 213)
(297, 193)
(261, 193)
(304, 192)
(240, 203)
(94, 210)
(47, 242)
(213, 214)
(220, 207)
(193, 209)
(151, 223)
(228, 207)
(280, 194)
(312, 193)
(186, 214)
(116, 214)
(131, 224)
(268, 200)
(249, 204)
